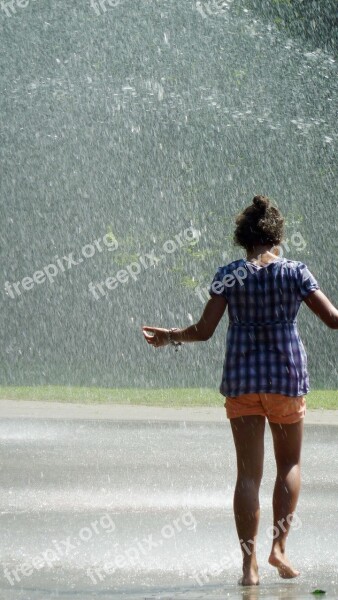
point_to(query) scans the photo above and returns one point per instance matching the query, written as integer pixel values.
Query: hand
(159, 337)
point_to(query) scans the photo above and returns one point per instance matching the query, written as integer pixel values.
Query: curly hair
(259, 224)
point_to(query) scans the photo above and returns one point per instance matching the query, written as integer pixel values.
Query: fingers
(147, 336)
(151, 339)
(151, 332)
(157, 338)
(154, 329)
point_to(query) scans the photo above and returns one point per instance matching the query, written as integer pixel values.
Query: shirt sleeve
(306, 281)
(217, 287)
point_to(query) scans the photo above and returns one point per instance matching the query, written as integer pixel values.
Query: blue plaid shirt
(264, 352)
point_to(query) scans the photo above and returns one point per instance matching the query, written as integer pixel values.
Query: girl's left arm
(199, 332)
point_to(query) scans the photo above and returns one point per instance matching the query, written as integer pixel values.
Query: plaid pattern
(264, 352)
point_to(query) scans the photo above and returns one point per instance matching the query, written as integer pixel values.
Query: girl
(265, 370)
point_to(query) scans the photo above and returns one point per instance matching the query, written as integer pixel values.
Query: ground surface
(125, 412)
(136, 502)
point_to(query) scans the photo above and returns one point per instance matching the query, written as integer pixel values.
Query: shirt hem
(262, 391)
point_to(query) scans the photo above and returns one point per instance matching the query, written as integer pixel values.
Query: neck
(263, 254)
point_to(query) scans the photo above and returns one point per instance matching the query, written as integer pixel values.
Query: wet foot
(279, 560)
(250, 575)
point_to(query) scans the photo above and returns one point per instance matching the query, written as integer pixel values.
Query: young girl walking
(265, 370)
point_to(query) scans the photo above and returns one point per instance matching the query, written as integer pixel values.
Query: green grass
(168, 397)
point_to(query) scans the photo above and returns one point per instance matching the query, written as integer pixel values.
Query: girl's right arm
(323, 308)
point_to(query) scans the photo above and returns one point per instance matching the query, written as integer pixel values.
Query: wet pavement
(132, 508)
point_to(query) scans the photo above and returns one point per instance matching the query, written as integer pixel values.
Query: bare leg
(287, 441)
(248, 433)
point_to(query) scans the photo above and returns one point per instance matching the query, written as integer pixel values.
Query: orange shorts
(276, 407)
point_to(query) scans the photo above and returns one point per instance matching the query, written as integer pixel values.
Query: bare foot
(250, 575)
(280, 560)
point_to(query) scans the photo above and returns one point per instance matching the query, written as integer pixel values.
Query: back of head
(259, 224)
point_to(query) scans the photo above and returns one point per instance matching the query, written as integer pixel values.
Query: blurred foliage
(314, 20)
(189, 396)
(193, 264)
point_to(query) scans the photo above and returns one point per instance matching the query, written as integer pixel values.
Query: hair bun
(261, 202)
